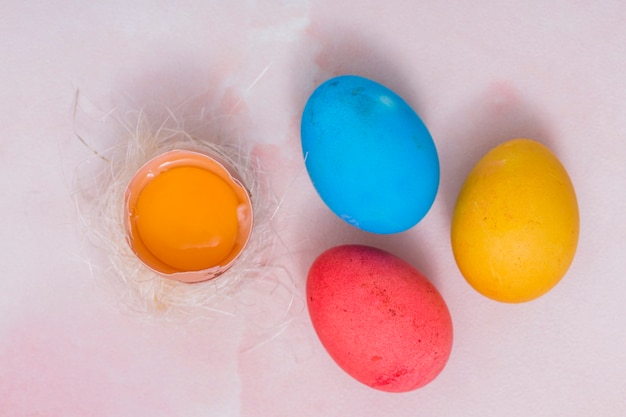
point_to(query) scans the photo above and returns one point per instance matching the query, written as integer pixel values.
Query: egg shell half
(369, 155)
(378, 317)
(516, 223)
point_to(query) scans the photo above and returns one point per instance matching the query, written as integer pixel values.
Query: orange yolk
(187, 218)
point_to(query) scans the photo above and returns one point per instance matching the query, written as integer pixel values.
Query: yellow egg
(515, 224)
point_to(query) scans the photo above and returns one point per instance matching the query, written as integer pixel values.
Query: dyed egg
(515, 225)
(379, 318)
(368, 154)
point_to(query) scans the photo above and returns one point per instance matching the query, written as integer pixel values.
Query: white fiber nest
(100, 200)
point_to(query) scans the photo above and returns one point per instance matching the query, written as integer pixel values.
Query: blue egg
(369, 155)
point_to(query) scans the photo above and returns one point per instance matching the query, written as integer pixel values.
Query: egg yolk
(187, 218)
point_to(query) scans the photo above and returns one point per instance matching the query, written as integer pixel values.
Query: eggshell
(516, 223)
(378, 317)
(369, 155)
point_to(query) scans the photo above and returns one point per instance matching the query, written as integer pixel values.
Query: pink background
(478, 73)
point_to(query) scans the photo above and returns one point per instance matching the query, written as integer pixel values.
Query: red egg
(379, 318)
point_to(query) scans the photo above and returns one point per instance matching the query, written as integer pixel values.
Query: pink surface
(478, 73)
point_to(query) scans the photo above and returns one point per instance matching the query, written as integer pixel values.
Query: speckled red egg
(378, 317)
